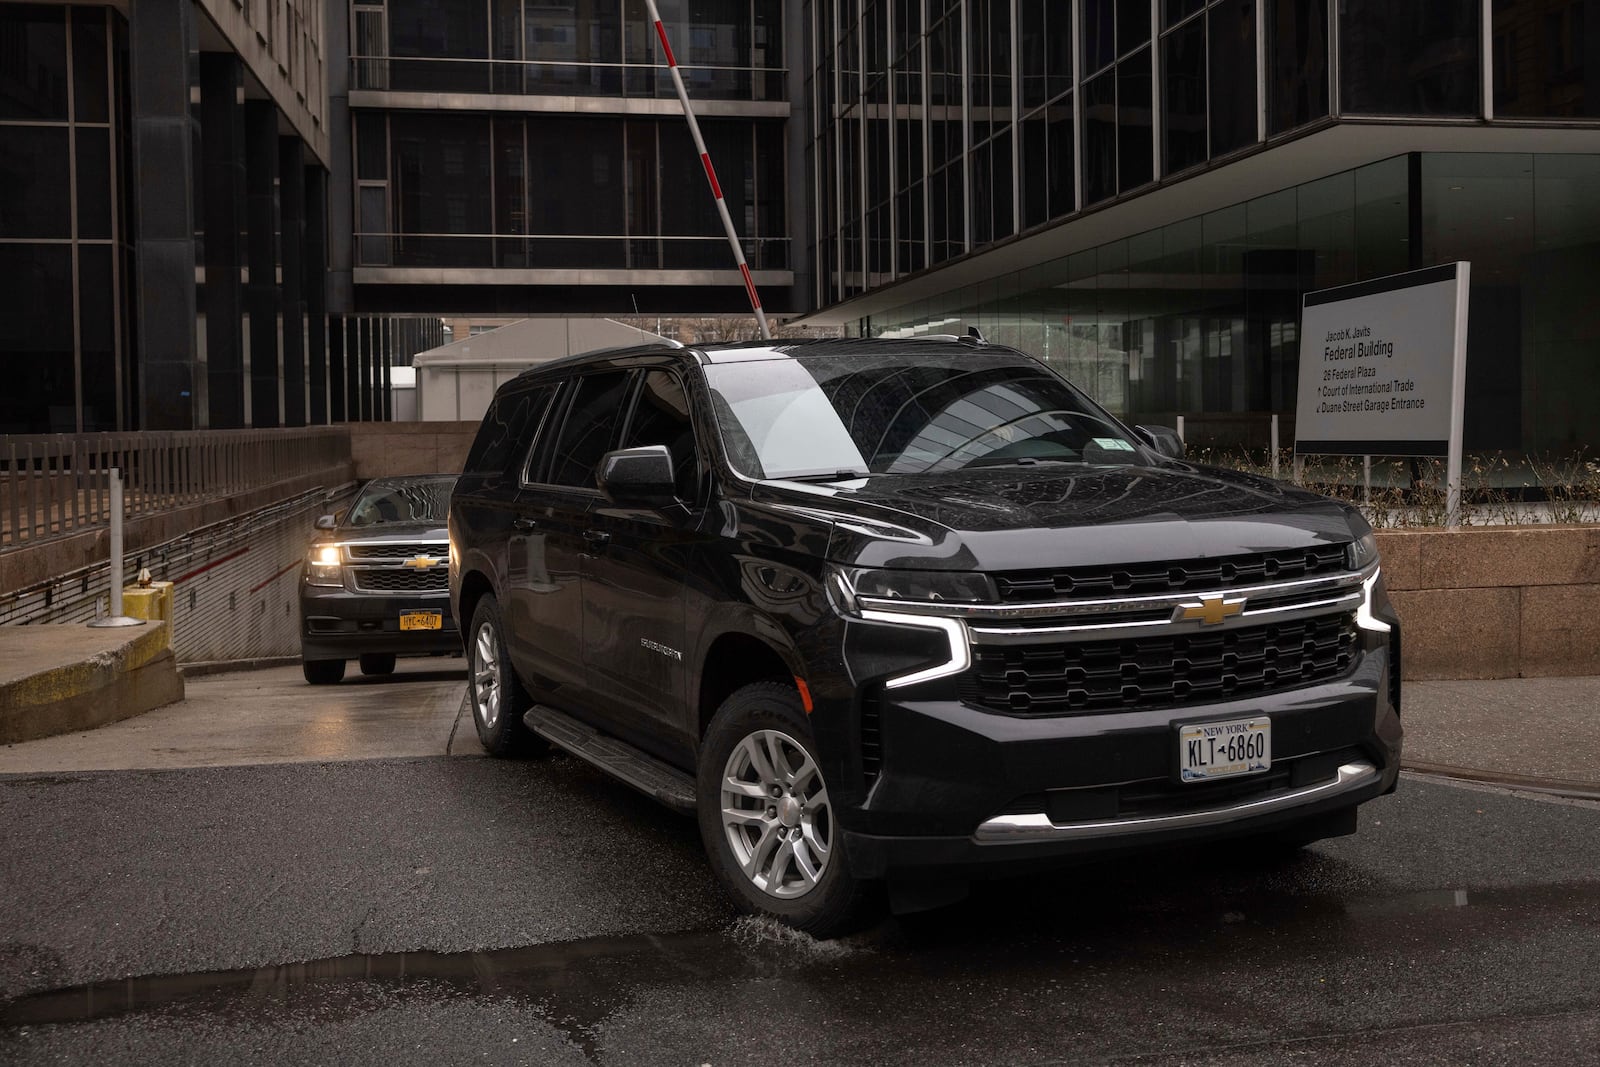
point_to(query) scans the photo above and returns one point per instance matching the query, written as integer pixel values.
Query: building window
(1539, 60)
(1410, 59)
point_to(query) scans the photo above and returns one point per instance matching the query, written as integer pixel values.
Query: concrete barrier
(60, 679)
(1496, 602)
(382, 449)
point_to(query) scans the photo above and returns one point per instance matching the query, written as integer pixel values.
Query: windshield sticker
(1113, 444)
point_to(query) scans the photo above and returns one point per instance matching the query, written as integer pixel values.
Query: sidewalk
(1539, 732)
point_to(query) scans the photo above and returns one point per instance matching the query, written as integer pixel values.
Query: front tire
(766, 817)
(498, 699)
(377, 664)
(323, 671)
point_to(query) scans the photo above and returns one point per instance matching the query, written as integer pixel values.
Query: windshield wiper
(836, 476)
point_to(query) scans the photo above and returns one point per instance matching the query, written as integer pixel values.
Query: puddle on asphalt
(577, 986)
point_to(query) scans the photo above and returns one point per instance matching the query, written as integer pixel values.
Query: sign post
(1383, 368)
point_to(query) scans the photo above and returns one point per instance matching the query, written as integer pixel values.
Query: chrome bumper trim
(1037, 826)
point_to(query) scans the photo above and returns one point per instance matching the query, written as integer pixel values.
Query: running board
(616, 757)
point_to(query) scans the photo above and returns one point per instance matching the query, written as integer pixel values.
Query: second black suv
(873, 609)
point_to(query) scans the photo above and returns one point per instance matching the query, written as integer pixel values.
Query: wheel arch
(736, 656)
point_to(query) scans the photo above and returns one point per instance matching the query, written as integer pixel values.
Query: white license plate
(1210, 750)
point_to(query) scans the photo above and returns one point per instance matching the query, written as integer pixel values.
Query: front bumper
(337, 623)
(960, 790)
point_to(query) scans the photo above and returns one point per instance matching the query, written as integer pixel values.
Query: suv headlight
(1363, 552)
(956, 587)
(322, 566)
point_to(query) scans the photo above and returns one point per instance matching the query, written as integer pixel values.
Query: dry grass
(1497, 490)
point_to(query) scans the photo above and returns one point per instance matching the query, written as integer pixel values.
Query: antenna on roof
(976, 334)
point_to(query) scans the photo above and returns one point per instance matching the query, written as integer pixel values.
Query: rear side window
(661, 417)
(589, 429)
(507, 431)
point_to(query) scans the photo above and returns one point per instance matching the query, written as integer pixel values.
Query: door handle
(597, 538)
(524, 523)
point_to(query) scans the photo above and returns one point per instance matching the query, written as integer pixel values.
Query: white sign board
(1382, 366)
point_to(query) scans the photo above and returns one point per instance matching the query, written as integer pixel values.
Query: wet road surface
(469, 910)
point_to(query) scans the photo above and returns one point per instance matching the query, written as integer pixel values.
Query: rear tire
(323, 671)
(377, 664)
(777, 855)
(498, 699)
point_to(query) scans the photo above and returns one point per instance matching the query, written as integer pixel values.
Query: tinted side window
(590, 426)
(661, 417)
(505, 431)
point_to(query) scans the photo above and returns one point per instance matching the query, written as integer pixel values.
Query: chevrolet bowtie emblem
(1211, 610)
(422, 563)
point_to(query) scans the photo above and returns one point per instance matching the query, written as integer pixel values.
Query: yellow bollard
(153, 604)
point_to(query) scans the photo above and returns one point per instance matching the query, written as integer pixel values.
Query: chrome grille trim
(1022, 635)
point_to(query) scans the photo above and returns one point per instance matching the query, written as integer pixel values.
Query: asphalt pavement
(441, 909)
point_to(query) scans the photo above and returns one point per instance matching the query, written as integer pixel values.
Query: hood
(386, 531)
(1024, 517)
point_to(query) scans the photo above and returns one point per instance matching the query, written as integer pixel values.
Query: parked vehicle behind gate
(375, 583)
(907, 612)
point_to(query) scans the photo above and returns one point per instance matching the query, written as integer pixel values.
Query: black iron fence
(56, 484)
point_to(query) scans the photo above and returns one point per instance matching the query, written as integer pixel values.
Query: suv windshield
(413, 500)
(905, 413)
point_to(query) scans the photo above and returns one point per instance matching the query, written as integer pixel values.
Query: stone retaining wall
(381, 449)
(1507, 602)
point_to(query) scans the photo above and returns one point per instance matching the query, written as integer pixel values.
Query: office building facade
(520, 157)
(163, 222)
(1141, 192)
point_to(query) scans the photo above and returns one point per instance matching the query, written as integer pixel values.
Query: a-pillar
(170, 376)
(261, 295)
(316, 268)
(292, 227)
(222, 157)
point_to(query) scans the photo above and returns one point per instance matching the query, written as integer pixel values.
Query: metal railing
(56, 484)
(544, 77)
(564, 251)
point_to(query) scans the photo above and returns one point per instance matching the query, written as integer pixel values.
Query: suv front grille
(1177, 576)
(400, 580)
(1075, 678)
(397, 550)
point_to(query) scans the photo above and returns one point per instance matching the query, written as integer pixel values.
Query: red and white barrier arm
(711, 172)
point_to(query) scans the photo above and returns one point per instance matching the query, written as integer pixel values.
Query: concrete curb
(114, 677)
(229, 666)
(1562, 787)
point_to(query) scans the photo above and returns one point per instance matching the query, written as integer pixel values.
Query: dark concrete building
(523, 157)
(1140, 191)
(164, 221)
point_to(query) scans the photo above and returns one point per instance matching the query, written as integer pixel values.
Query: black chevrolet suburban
(904, 612)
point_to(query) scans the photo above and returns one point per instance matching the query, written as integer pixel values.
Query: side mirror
(326, 522)
(640, 475)
(1164, 439)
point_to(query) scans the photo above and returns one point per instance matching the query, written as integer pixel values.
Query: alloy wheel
(776, 814)
(486, 676)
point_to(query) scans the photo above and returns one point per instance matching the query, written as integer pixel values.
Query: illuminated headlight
(956, 587)
(322, 568)
(1363, 552)
(845, 585)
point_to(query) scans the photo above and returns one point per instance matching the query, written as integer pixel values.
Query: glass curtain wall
(727, 49)
(944, 126)
(1201, 317)
(64, 257)
(477, 190)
